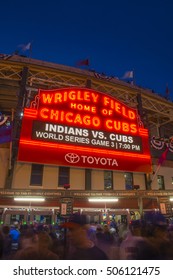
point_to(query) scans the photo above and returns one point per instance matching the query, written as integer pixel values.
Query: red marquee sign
(84, 128)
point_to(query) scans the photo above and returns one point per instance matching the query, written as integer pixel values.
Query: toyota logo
(72, 158)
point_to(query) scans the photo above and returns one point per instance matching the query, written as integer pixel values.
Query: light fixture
(171, 199)
(102, 199)
(36, 199)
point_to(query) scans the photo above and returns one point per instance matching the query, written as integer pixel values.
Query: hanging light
(103, 199)
(36, 199)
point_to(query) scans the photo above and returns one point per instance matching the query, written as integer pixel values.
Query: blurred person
(7, 241)
(170, 232)
(15, 236)
(1, 245)
(135, 246)
(92, 232)
(28, 239)
(109, 234)
(29, 253)
(122, 230)
(57, 242)
(107, 241)
(35, 246)
(45, 247)
(158, 235)
(113, 225)
(80, 246)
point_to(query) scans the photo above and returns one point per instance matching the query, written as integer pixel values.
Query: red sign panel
(83, 128)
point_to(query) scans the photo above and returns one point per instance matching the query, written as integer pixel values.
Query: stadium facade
(72, 136)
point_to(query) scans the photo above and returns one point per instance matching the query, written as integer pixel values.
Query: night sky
(116, 36)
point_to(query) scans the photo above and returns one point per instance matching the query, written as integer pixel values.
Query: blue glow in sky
(116, 36)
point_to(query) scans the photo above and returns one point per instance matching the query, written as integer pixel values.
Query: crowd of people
(147, 239)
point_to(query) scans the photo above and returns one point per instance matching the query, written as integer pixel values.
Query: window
(108, 180)
(87, 179)
(64, 176)
(160, 181)
(128, 180)
(36, 175)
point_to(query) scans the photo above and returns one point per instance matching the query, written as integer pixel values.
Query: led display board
(84, 128)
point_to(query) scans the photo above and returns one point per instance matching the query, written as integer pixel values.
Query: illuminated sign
(100, 130)
(85, 137)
